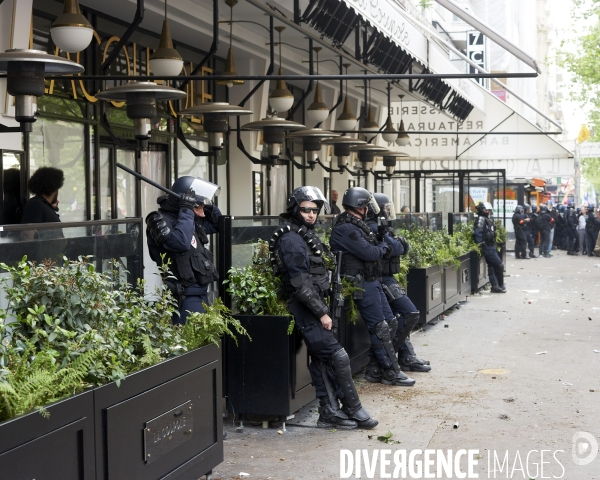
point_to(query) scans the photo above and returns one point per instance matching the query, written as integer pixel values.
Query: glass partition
(432, 221)
(456, 218)
(105, 241)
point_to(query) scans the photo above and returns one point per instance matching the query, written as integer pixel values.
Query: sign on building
(589, 150)
(477, 53)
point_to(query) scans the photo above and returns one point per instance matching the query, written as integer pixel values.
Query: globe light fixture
(216, 119)
(281, 99)
(274, 130)
(141, 98)
(71, 31)
(166, 61)
(26, 70)
(318, 111)
(311, 142)
(229, 63)
(389, 132)
(341, 148)
(347, 120)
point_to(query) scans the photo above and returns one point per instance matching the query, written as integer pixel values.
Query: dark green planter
(426, 291)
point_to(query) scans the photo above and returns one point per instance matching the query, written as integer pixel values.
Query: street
(515, 376)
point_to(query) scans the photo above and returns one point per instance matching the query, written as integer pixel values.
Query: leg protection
(393, 324)
(382, 330)
(499, 271)
(340, 364)
(333, 401)
(410, 320)
(411, 362)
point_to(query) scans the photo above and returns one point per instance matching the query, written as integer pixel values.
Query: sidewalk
(517, 372)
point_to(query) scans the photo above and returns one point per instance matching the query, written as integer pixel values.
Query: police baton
(147, 180)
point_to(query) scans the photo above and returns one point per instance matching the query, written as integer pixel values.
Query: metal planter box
(268, 375)
(479, 273)
(60, 447)
(356, 340)
(426, 291)
(464, 275)
(162, 422)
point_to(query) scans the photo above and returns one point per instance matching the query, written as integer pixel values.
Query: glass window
(126, 197)
(61, 144)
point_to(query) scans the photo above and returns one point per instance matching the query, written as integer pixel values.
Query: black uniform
(591, 231)
(183, 237)
(361, 262)
(297, 258)
(520, 228)
(571, 231)
(545, 224)
(485, 235)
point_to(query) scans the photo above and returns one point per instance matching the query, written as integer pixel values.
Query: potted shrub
(470, 262)
(268, 375)
(127, 376)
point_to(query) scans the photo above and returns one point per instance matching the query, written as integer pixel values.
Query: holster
(393, 291)
(176, 289)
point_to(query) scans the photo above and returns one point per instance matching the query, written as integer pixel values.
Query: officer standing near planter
(529, 227)
(406, 313)
(362, 254)
(519, 221)
(571, 231)
(591, 230)
(545, 224)
(297, 258)
(180, 229)
(485, 236)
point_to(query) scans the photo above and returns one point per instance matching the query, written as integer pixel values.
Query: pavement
(515, 380)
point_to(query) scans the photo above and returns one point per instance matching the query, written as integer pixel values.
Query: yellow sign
(584, 134)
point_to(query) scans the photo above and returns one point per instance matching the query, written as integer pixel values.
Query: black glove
(405, 244)
(210, 214)
(388, 252)
(188, 199)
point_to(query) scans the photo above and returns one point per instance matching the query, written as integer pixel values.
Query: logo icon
(584, 448)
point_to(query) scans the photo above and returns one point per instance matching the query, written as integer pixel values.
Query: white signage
(500, 204)
(390, 20)
(477, 53)
(589, 150)
(478, 194)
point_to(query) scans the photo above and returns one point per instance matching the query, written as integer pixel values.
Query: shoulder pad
(158, 227)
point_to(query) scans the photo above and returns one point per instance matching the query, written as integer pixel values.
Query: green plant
(348, 289)
(254, 288)
(501, 233)
(208, 327)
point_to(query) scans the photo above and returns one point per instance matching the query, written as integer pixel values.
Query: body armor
(192, 267)
(353, 266)
(488, 229)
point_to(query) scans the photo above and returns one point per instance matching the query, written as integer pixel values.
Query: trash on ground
(540, 353)
(567, 384)
(531, 291)
(244, 474)
(596, 351)
(455, 425)
(280, 432)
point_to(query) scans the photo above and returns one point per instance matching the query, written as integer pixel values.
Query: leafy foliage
(70, 327)
(501, 233)
(348, 289)
(254, 288)
(208, 327)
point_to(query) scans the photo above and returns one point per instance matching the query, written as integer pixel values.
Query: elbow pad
(305, 293)
(158, 228)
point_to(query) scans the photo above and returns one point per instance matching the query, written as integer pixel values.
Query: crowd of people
(563, 228)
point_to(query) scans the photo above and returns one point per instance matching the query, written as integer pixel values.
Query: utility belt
(353, 266)
(391, 266)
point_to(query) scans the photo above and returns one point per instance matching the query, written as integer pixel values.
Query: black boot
(334, 418)
(373, 372)
(497, 289)
(360, 415)
(409, 363)
(398, 379)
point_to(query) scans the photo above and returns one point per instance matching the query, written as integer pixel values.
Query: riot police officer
(297, 258)
(519, 221)
(591, 230)
(362, 253)
(485, 235)
(406, 313)
(529, 229)
(180, 229)
(545, 224)
(571, 231)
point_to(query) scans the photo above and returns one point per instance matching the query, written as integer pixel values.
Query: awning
(514, 143)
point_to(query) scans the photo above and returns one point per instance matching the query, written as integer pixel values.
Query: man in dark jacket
(545, 224)
(335, 210)
(179, 230)
(529, 229)
(297, 258)
(484, 234)
(591, 230)
(406, 313)
(362, 253)
(519, 221)
(571, 231)
(43, 207)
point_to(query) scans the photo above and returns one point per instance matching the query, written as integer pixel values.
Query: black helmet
(204, 191)
(386, 207)
(357, 197)
(519, 209)
(300, 195)
(544, 208)
(527, 208)
(484, 208)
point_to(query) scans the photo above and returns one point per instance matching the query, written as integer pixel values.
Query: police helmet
(306, 194)
(484, 208)
(357, 197)
(519, 209)
(386, 207)
(544, 208)
(527, 208)
(203, 190)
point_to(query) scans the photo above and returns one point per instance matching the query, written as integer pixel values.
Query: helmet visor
(389, 210)
(311, 194)
(205, 191)
(373, 205)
